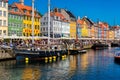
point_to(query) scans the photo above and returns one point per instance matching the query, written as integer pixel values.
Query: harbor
(58, 48)
(59, 40)
(95, 65)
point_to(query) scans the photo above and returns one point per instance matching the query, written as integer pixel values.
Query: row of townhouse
(16, 19)
(64, 24)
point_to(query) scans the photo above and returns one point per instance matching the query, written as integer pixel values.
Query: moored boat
(99, 46)
(77, 51)
(117, 57)
(82, 51)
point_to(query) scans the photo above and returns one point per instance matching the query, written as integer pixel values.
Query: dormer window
(57, 18)
(15, 9)
(24, 11)
(36, 14)
(9, 8)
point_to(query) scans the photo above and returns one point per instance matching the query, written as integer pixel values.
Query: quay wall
(6, 55)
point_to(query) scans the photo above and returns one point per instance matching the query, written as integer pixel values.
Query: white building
(59, 26)
(117, 32)
(3, 18)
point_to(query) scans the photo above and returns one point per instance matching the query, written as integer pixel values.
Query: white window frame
(0, 3)
(4, 22)
(0, 22)
(4, 13)
(0, 12)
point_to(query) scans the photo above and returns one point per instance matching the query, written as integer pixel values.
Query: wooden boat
(38, 53)
(117, 57)
(98, 46)
(82, 51)
(77, 51)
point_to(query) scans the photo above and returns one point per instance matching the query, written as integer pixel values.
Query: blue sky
(104, 10)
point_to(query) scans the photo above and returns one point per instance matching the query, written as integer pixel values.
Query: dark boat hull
(99, 46)
(39, 54)
(73, 52)
(117, 58)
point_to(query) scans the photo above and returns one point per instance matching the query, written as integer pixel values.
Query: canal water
(93, 65)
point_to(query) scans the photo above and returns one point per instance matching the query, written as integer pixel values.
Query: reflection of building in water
(72, 65)
(84, 62)
(6, 70)
(91, 57)
(56, 71)
(73, 62)
(31, 74)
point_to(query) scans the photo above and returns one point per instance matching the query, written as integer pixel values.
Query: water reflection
(93, 65)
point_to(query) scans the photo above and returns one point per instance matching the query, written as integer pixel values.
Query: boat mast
(32, 21)
(48, 22)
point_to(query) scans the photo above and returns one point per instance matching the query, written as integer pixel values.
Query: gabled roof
(59, 15)
(80, 21)
(21, 9)
(70, 14)
(103, 25)
(88, 20)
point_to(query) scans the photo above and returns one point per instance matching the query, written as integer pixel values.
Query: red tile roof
(80, 21)
(103, 25)
(21, 9)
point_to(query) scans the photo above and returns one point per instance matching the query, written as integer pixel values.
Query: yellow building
(27, 23)
(26, 11)
(84, 30)
(111, 34)
(72, 29)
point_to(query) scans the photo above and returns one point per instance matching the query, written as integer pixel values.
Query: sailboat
(36, 53)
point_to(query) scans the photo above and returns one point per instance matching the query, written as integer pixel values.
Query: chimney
(79, 17)
(56, 10)
(22, 2)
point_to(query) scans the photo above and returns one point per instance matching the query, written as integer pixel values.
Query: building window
(24, 11)
(30, 12)
(0, 12)
(4, 22)
(44, 18)
(9, 24)
(4, 5)
(0, 32)
(4, 32)
(0, 3)
(15, 9)
(0, 22)
(4, 14)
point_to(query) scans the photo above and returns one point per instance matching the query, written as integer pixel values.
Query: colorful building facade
(3, 18)
(84, 30)
(79, 27)
(59, 27)
(21, 16)
(15, 20)
(111, 34)
(71, 19)
(103, 30)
